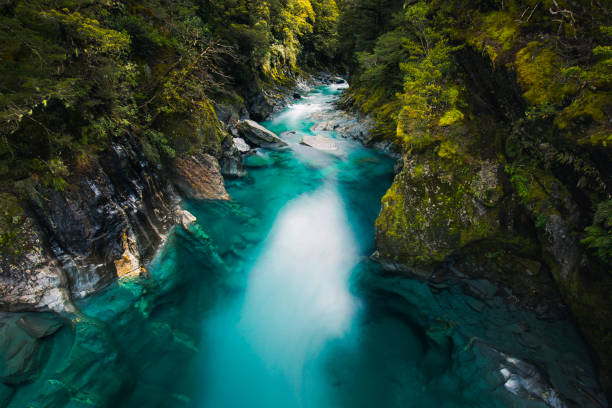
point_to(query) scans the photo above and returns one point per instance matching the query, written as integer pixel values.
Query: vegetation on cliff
(502, 111)
(77, 75)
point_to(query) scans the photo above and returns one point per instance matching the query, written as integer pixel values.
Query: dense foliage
(502, 112)
(409, 78)
(75, 75)
(521, 88)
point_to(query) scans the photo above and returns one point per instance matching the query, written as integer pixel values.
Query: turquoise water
(271, 301)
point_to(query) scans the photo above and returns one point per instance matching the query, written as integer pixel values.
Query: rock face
(442, 205)
(457, 202)
(198, 176)
(106, 223)
(116, 210)
(258, 135)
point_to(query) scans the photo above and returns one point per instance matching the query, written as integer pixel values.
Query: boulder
(319, 142)
(186, 219)
(241, 145)
(231, 160)
(258, 135)
(39, 326)
(198, 176)
(20, 344)
(232, 168)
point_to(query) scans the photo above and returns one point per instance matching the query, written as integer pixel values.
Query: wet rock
(231, 160)
(258, 135)
(523, 379)
(297, 96)
(186, 219)
(20, 345)
(198, 176)
(319, 142)
(38, 326)
(344, 124)
(232, 167)
(241, 145)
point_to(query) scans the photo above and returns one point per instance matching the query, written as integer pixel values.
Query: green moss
(539, 74)
(13, 237)
(447, 149)
(591, 110)
(494, 33)
(450, 117)
(430, 211)
(599, 235)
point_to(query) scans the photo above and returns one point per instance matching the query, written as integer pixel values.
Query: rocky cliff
(106, 225)
(115, 213)
(461, 205)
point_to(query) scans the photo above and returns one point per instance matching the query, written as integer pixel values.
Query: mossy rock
(540, 76)
(495, 34)
(13, 228)
(586, 120)
(194, 131)
(437, 204)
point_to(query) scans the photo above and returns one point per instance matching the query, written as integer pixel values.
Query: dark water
(270, 301)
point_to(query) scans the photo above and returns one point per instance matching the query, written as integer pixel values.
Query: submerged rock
(319, 142)
(39, 326)
(257, 159)
(20, 337)
(258, 135)
(198, 176)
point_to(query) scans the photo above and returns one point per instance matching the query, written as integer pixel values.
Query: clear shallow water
(270, 301)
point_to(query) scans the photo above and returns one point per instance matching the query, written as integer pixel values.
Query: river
(271, 300)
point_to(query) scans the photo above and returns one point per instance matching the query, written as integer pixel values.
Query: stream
(271, 300)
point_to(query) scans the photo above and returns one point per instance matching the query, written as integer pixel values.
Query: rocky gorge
(114, 217)
(189, 209)
(140, 218)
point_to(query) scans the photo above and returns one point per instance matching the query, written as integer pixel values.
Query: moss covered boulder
(441, 201)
